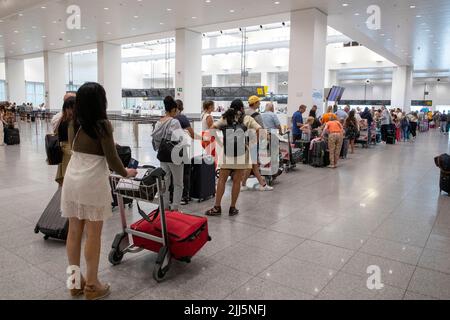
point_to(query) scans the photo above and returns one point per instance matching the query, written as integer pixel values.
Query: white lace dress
(86, 192)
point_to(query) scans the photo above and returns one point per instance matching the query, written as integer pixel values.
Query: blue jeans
(405, 132)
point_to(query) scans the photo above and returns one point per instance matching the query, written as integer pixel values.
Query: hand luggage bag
(51, 223)
(12, 136)
(53, 150)
(344, 150)
(203, 178)
(125, 156)
(320, 157)
(187, 234)
(444, 183)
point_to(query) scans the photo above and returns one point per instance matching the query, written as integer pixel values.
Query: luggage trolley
(140, 189)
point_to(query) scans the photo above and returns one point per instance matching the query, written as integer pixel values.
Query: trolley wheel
(46, 237)
(130, 205)
(162, 265)
(115, 257)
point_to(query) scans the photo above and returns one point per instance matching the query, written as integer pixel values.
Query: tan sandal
(78, 292)
(91, 293)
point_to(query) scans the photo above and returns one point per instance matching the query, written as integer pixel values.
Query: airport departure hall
(199, 150)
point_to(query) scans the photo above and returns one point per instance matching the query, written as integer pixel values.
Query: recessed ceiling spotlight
(43, 7)
(108, 22)
(345, 4)
(69, 40)
(161, 23)
(62, 32)
(208, 1)
(16, 31)
(33, 27)
(412, 6)
(194, 18)
(169, 9)
(20, 14)
(357, 14)
(382, 34)
(277, 2)
(136, 17)
(106, 8)
(232, 11)
(418, 16)
(44, 37)
(389, 39)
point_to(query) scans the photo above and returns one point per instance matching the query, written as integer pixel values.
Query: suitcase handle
(145, 216)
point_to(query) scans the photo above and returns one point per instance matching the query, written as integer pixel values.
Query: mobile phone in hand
(134, 164)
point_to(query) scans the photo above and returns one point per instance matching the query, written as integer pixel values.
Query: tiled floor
(312, 238)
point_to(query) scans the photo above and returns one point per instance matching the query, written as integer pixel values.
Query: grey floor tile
(435, 260)
(325, 255)
(416, 296)
(350, 287)
(28, 284)
(296, 228)
(303, 276)
(273, 241)
(260, 289)
(439, 239)
(404, 232)
(431, 283)
(11, 263)
(246, 258)
(334, 236)
(393, 273)
(392, 250)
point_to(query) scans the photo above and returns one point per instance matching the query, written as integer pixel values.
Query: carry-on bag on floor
(12, 136)
(297, 155)
(344, 150)
(443, 163)
(51, 223)
(320, 157)
(203, 178)
(124, 154)
(390, 139)
(444, 183)
(187, 234)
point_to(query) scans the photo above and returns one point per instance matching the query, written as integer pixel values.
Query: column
(109, 60)
(402, 82)
(188, 69)
(307, 59)
(15, 79)
(55, 79)
(270, 79)
(331, 78)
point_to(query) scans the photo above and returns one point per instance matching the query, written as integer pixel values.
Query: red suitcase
(187, 234)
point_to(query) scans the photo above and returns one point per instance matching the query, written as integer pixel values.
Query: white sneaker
(266, 188)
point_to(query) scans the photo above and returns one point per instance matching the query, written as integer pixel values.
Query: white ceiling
(408, 36)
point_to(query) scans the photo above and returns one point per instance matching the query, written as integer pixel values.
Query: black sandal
(233, 212)
(214, 212)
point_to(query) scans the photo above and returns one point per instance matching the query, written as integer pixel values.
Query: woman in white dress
(86, 193)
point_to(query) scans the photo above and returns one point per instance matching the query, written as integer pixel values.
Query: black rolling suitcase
(51, 223)
(443, 163)
(344, 150)
(320, 157)
(203, 179)
(12, 136)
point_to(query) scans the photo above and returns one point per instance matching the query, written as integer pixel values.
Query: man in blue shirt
(297, 123)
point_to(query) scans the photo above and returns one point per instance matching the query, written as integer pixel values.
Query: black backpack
(235, 139)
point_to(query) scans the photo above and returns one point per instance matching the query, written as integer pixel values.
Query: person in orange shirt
(335, 140)
(329, 115)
